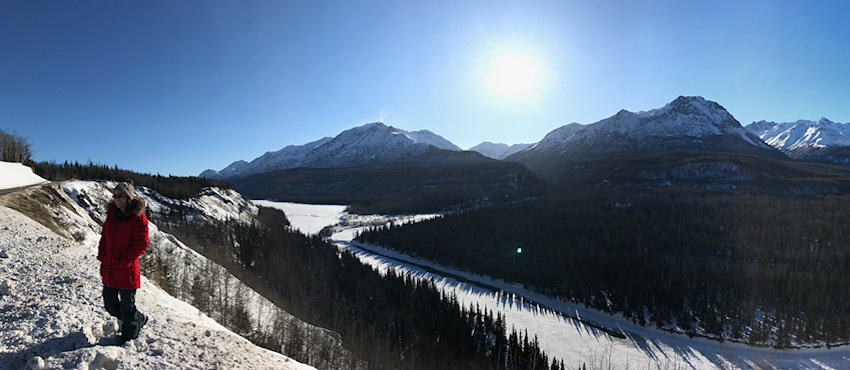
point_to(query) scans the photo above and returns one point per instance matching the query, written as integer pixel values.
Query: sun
(513, 74)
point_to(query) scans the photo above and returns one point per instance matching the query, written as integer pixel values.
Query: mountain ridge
(802, 134)
(369, 144)
(498, 150)
(817, 141)
(687, 124)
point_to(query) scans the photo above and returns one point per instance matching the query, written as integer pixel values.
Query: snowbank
(53, 316)
(15, 175)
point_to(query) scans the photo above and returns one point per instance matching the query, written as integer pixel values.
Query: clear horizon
(180, 87)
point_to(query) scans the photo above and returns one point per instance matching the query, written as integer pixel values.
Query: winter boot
(143, 322)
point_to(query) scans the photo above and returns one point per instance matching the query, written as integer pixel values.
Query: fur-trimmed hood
(135, 207)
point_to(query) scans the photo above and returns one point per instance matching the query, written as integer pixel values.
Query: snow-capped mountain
(287, 157)
(686, 124)
(428, 137)
(498, 150)
(232, 169)
(369, 144)
(802, 136)
(558, 136)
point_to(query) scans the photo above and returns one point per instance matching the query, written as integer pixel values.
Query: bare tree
(14, 148)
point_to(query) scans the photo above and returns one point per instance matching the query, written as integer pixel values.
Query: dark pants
(124, 310)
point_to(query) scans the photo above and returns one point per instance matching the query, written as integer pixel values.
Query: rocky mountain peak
(802, 135)
(688, 123)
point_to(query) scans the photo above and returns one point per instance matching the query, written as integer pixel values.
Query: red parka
(123, 239)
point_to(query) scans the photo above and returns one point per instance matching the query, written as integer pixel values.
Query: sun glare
(513, 75)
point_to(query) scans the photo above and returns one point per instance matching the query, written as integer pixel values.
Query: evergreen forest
(764, 270)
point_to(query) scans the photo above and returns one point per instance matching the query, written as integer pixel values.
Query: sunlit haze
(514, 76)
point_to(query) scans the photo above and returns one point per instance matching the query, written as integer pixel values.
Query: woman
(123, 239)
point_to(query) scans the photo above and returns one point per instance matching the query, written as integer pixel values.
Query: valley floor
(573, 332)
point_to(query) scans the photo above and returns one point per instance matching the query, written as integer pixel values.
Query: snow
(498, 150)
(801, 134)
(310, 219)
(215, 204)
(430, 138)
(686, 117)
(558, 136)
(570, 331)
(15, 175)
(56, 319)
(350, 225)
(288, 157)
(372, 143)
(307, 218)
(223, 204)
(234, 168)
(691, 116)
(492, 150)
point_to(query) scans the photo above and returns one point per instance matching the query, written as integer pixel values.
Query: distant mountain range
(370, 144)
(367, 145)
(380, 169)
(821, 140)
(348, 166)
(687, 124)
(497, 150)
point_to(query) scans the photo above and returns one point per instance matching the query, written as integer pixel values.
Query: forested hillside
(764, 270)
(388, 321)
(402, 188)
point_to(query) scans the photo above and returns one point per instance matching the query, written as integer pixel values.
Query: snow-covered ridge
(802, 134)
(372, 143)
(430, 138)
(213, 203)
(688, 123)
(53, 316)
(690, 116)
(557, 136)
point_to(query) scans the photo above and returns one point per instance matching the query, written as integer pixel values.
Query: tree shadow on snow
(46, 349)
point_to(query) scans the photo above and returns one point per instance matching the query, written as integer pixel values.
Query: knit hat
(126, 188)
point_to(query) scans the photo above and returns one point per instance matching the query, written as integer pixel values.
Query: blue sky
(176, 87)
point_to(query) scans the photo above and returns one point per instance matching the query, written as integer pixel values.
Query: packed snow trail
(565, 330)
(51, 314)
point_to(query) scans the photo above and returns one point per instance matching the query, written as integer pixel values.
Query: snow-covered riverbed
(565, 330)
